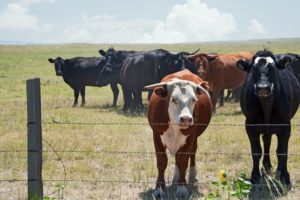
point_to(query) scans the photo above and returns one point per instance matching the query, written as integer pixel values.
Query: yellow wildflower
(222, 175)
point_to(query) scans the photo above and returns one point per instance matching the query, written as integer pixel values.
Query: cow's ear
(284, 62)
(204, 85)
(243, 65)
(102, 52)
(51, 60)
(162, 92)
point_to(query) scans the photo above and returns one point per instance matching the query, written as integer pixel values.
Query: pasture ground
(108, 158)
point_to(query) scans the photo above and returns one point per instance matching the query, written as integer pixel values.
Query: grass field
(94, 169)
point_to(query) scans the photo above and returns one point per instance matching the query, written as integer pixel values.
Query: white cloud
(189, 22)
(27, 3)
(256, 27)
(16, 16)
(192, 21)
(106, 29)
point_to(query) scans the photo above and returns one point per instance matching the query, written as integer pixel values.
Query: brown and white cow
(179, 111)
(220, 71)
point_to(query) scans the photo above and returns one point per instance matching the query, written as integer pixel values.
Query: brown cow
(220, 71)
(179, 111)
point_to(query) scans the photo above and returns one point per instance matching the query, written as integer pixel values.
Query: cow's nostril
(58, 73)
(186, 119)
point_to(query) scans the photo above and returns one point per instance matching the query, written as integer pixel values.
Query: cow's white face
(182, 103)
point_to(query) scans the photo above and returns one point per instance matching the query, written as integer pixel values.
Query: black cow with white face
(79, 72)
(270, 96)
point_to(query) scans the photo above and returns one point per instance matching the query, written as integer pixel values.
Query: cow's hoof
(182, 192)
(159, 194)
(74, 105)
(82, 105)
(283, 177)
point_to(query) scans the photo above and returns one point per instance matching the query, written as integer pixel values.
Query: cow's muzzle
(264, 89)
(185, 121)
(58, 73)
(201, 74)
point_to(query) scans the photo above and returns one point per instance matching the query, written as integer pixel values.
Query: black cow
(137, 69)
(270, 97)
(149, 68)
(79, 72)
(295, 63)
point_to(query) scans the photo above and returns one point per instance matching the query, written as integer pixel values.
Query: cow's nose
(186, 119)
(58, 73)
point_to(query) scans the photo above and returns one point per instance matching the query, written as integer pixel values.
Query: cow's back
(229, 75)
(138, 71)
(82, 71)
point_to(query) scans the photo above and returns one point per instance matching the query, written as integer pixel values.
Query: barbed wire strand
(62, 163)
(145, 123)
(147, 152)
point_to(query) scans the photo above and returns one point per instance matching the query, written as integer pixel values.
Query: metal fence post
(34, 139)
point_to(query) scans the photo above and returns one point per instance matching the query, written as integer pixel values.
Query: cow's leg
(237, 94)
(182, 159)
(161, 163)
(76, 95)
(149, 94)
(229, 92)
(266, 160)
(256, 151)
(222, 97)
(214, 99)
(82, 92)
(192, 170)
(115, 90)
(138, 101)
(127, 99)
(282, 155)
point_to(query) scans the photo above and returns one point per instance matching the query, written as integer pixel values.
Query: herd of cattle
(183, 90)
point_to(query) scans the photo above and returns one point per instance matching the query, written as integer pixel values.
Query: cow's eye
(194, 100)
(174, 100)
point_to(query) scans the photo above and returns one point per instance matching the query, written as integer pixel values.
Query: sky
(146, 21)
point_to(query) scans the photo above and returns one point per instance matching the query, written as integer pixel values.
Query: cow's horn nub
(155, 85)
(174, 80)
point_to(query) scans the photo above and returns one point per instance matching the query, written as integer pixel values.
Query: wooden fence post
(34, 139)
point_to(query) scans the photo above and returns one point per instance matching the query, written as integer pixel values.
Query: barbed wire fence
(38, 181)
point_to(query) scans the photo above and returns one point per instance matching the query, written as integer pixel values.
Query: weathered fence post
(34, 139)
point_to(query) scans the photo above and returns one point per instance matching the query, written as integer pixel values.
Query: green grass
(18, 63)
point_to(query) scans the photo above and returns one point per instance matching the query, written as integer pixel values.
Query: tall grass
(103, 173)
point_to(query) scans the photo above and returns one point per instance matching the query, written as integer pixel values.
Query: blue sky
(145, 21)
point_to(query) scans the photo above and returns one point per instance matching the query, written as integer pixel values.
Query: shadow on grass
(268, 189)
(194, 193)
